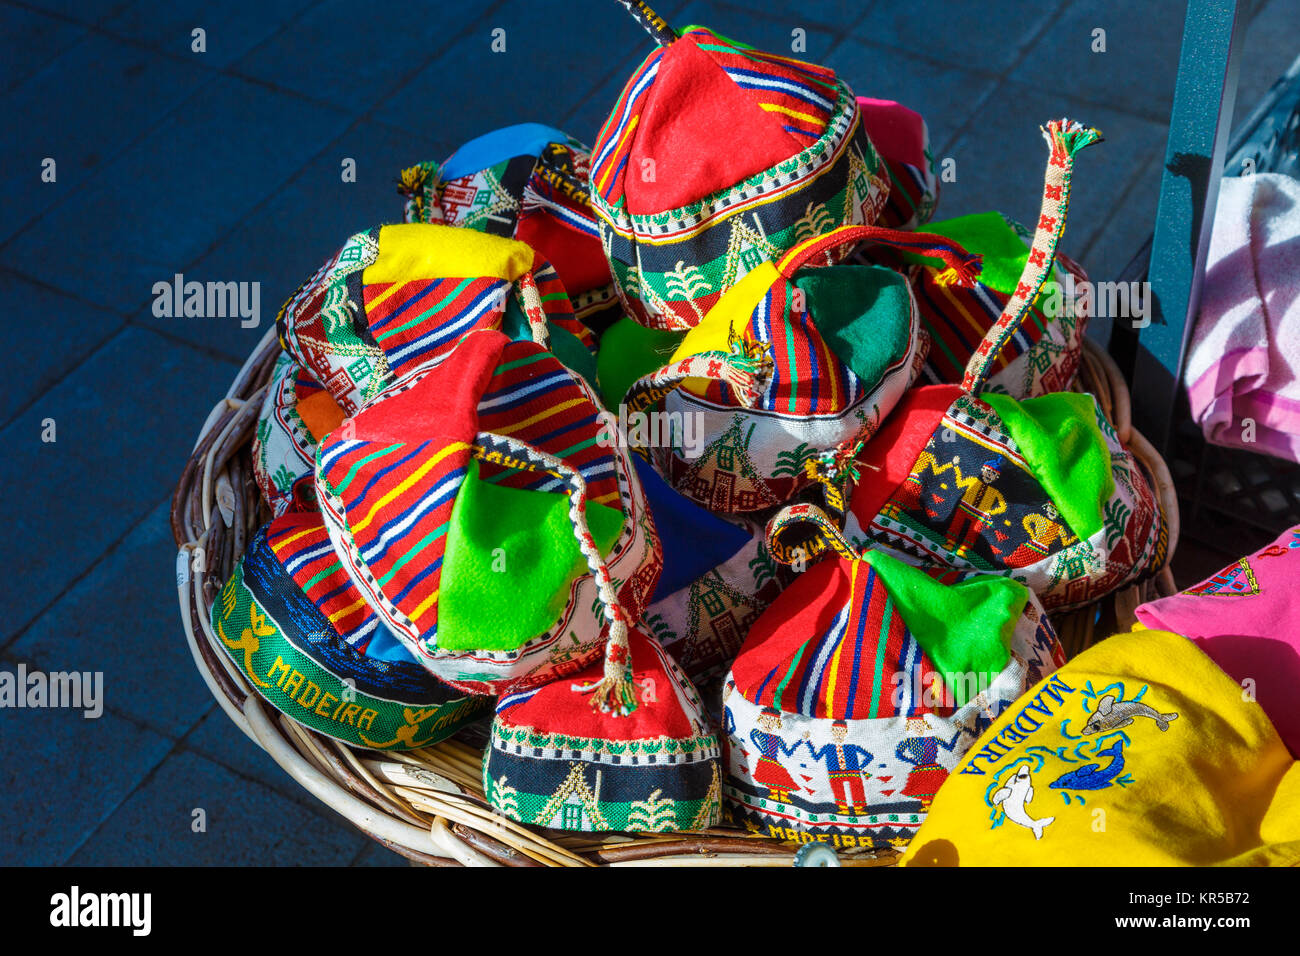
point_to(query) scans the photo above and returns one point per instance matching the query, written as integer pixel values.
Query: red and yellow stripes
(533, 398)
(861, 667)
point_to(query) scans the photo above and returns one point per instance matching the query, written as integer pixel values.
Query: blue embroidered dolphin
(1092, 776)
(1112, 715)
(1013, 795)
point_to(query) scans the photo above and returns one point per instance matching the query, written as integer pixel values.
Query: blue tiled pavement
(224, 165)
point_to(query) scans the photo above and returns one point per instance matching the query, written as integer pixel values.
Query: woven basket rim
(427, 805)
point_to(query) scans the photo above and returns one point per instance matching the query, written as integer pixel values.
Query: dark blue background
(225, 166)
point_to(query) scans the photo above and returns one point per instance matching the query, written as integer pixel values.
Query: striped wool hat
(485, 520)
(1043, 356)
(794, 366)
(902, 139)
(554, 762)
(861, 687)
(1041, 489)
(396, 298)
(297, 628)
(717, 157)
(527, 182)
(296, 413)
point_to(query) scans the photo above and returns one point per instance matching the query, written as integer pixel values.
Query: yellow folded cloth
(1139, 752)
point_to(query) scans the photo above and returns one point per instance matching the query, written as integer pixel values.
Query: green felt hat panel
(511, 556)
(1060, 439)
(628, 351)
(965, 628)
(863, 312)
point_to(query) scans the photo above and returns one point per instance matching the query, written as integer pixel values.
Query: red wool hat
(479, 513)
(397, 298)
(859, 689)
(717, 157)
(554, 762)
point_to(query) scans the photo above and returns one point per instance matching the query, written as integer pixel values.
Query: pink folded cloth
(1243, 366)
(1247, 619)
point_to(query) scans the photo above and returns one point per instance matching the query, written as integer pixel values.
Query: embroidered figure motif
(1116, 715)
(980, 503)
(1093, 776)
(846, 768)
(1012, 798)
(1043, 530)
(921, 750)
(908, 497)
(770, 772)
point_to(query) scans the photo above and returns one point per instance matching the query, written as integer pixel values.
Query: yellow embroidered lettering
(281, 667)
(310, 691)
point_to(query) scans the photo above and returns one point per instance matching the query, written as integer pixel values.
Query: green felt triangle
(964, 628)
(863, 313)
(1061, 442)
(990, 235)
(511, 556)
(564, 345)
(629, 351)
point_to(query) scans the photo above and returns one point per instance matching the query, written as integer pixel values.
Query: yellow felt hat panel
(1139, 752)
(729, 316)
(418, 250)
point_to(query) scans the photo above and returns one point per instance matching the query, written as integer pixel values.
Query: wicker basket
(427, 805)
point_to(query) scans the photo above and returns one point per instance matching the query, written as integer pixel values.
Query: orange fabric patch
(320, 413)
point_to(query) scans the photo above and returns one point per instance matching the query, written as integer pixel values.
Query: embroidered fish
(1013, 795)
(1093, 776)
(1112, 715)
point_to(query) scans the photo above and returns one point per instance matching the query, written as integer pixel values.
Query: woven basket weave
(427, 805)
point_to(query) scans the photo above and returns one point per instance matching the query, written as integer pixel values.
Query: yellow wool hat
(1139, 752)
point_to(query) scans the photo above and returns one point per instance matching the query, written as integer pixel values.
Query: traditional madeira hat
(298, 629)
(485, 520)
(1043, 354)
(860, 688)
(1041, 489)
(1139, 751)
(553, 761)
(717, 157)
(296, 413)
(527, 182)
(396, 298)
(902, 140)
(795, 364)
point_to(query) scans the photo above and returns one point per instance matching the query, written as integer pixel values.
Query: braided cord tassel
(962, 267)
(835, 471)
(530, 299)
(614, 692)
(826, 537)
(740, 369)
(1064, 138)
